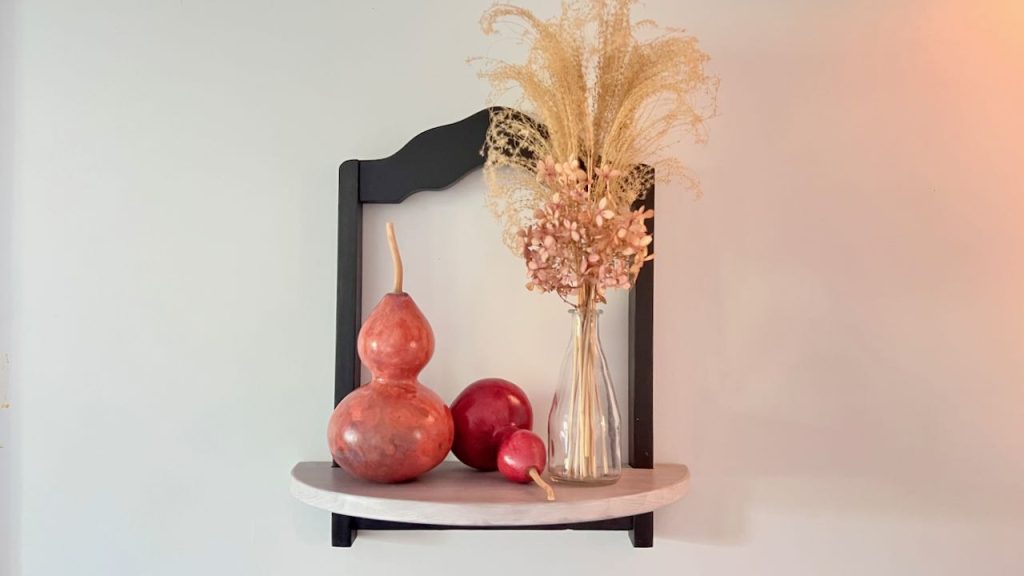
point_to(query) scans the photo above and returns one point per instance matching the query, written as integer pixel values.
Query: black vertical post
(641, 377)
(349, 310)
(343, 531)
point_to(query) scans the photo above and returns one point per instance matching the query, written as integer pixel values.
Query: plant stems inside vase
(584, 422)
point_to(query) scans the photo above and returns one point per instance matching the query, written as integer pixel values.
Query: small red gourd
(522, 457)
(393, 428)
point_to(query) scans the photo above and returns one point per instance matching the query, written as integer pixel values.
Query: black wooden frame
(435, 160)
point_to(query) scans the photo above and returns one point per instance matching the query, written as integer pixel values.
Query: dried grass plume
(598, 89)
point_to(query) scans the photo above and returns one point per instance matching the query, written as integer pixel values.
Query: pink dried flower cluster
(578, 242)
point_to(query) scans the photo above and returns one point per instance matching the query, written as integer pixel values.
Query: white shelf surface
(455, 495)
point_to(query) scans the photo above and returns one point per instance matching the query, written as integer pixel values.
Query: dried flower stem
(587, 454)
(396, 258)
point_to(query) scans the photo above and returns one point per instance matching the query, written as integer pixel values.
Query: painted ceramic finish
(392, 429)
(485, 413)
(521, 451)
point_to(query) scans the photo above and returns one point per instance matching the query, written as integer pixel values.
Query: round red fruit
(485, 413)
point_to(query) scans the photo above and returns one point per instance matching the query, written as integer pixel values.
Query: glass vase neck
(585, 320)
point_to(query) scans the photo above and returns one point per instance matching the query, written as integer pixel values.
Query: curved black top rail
(432, 160)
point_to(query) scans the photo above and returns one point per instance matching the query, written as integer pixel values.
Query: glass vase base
(592, 481)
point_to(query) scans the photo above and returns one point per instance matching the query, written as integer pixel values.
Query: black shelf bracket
(434, 160)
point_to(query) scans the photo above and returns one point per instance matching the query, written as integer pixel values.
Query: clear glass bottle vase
(583, 426)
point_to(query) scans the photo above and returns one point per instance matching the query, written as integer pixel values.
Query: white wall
(7, 512)
(840, 333)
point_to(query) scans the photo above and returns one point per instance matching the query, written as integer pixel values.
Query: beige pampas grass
(595, 87)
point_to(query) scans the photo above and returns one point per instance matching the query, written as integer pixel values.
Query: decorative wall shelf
(454, 495)
(450, 496)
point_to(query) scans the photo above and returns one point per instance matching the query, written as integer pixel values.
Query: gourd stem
(396, 258)
(540, 482)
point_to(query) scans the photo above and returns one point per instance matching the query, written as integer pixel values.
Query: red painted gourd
(392, 428)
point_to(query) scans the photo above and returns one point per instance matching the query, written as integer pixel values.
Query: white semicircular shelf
(455, 495)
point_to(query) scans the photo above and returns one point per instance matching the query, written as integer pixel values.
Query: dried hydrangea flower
(577, 243)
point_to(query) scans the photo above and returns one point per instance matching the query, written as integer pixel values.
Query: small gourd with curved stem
(393, 428)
